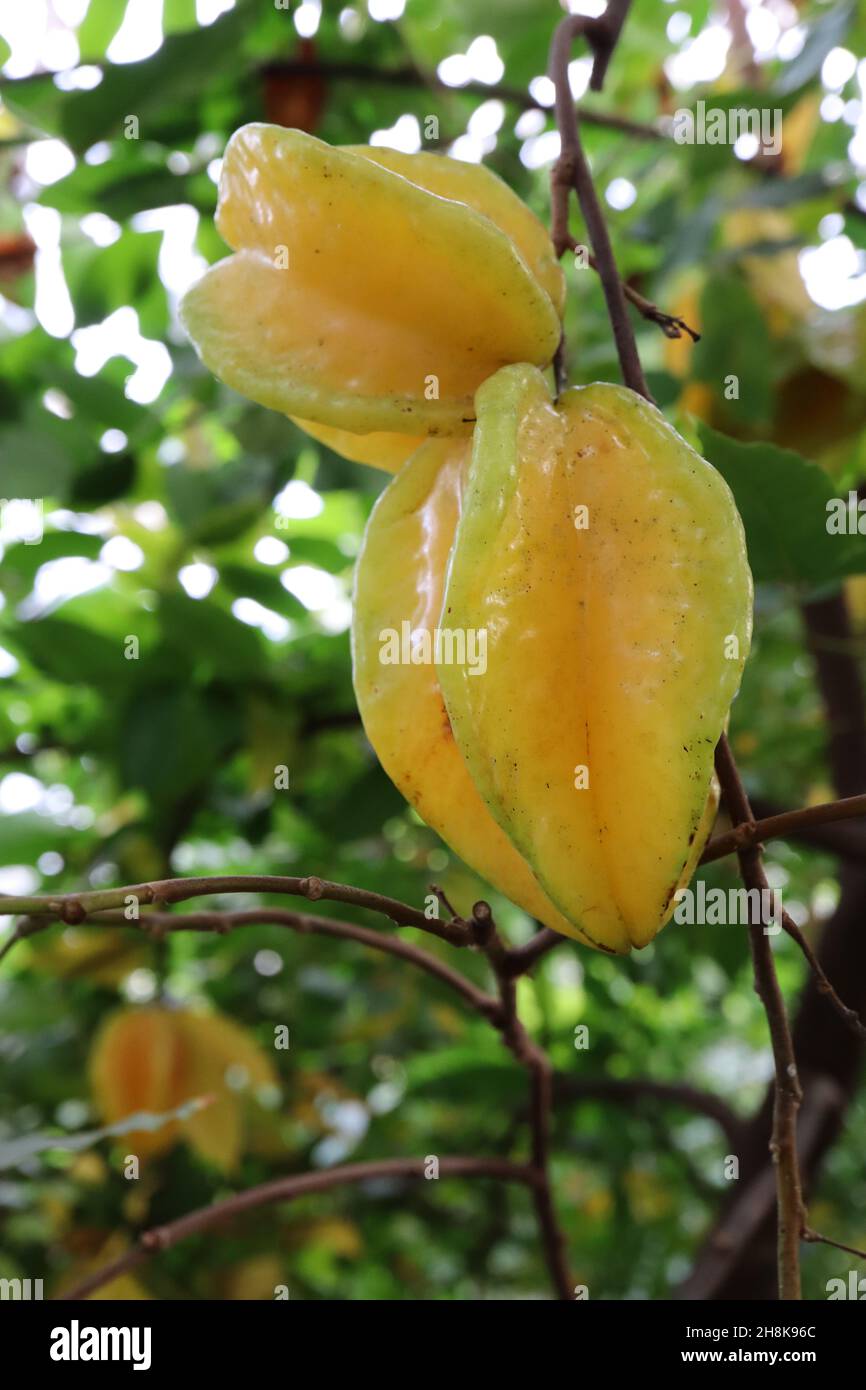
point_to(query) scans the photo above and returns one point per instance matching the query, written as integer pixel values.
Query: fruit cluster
(553, 600)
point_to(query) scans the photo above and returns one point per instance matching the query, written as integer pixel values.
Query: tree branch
(162, 923)
(571, 171)
(788, 1096)
(413, 77)
(287, 1190)
(540, 1073)
(783, 825)
(75, 908)
(626, 1092)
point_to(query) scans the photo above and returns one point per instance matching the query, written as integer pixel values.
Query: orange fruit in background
(153, 1059)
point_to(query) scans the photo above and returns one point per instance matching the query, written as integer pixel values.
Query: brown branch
(815, 1238)
(540, 1072)
(287, 1190)
(738, 1259)
(788, 1096)
(413, 77)
(75, 908)
(626, 1092)
(572, 171)
(822, 983)
(753, 1204)
(162, 923)
(751, 834)
(783, 825)
(670, 324)
(520, 959)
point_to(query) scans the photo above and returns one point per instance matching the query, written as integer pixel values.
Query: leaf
(212, 639)
(98, 28)
(249, 581)
(72, 653)
(21, 562)
(143, 89)
(735, 342)
(827, 32)
(178, 15)
(26, 835)
(780, 193)
(459, 1073)
(782, 499)
(34, 463)
(15, 1151)
(170, 744)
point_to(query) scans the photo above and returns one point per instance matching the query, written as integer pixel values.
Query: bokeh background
(224, 539)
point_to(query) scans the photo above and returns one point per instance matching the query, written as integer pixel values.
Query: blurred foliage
(115, 770)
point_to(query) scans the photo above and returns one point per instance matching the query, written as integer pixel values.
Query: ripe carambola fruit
(616, 638)
(360, 300)
(400, 578)
(153, 1059)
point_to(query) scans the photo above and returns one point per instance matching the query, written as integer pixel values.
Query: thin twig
(572, 171)
(162, 923)
(287, 1190)
(815, 1238)
(413, 77)
(850, 1016)
(523, 958)
(670, 324)
(538, 1067)
(636, 1088)
(779, 827)
(75, 908)
(788, 1095)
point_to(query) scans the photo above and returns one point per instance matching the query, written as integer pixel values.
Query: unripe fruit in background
(616, 638)
(359, 300)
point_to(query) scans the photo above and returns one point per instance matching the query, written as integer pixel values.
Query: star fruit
(606, 562)
(370, 292)
(399, 586)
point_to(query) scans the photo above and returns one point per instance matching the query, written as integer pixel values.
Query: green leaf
(827, 32)
(248, 581)
(170, 743)
(173, 73)
(98, 27)
(735, 342)
(178, 15)
(34, 463)
(459, 1073)
(23, 837)
(21, 562)
(210, 639)
(780, 193)
(783, 499)
(72, 653)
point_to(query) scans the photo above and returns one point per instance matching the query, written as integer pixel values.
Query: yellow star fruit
(363, 296)
(356, 298)
(154, 1058)
(399, 584)
(606, 562)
